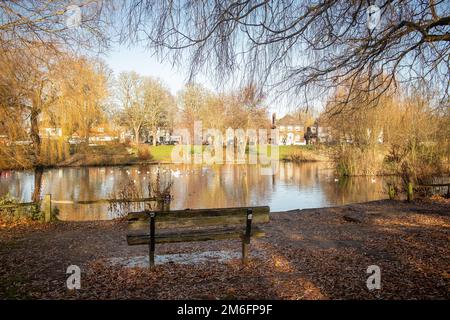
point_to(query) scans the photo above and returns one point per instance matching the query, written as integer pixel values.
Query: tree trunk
(34, 134)
(86, 136)
(38, 172)
(136, 134)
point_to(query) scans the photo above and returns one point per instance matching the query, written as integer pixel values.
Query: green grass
(161, 153)
(290, 153)
(287, 151)
(119, 154)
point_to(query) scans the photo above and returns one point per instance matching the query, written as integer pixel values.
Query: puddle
(182, 258)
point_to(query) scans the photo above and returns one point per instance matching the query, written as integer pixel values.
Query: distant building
(4, 139)
(323, 134)
(96, 135)
(100, 134)
(50, 132)
(291, 130)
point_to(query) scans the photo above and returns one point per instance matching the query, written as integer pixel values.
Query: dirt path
(306, 254)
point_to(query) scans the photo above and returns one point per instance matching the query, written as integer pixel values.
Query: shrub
(143, 153)
(355, 161)
(11, 212)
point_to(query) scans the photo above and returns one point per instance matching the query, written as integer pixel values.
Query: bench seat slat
(197, 213)
(198, 222)
(196, 235)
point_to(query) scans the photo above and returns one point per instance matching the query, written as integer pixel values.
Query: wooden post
(409, 191)
(246, 239)
(391, 192)
(46, 207)
(166, 202)
(152, 240)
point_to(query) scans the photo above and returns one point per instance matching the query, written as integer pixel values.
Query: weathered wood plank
(434, 185)
(200, 221)
(99, 201)
(195, 213)
(17, 205)
(194, 235)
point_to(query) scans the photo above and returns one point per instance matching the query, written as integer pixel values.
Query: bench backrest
(197, 217)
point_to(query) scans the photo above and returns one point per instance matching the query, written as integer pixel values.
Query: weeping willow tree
(402, 136)
(82, 86)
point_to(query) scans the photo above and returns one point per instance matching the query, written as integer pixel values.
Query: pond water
(294, 186)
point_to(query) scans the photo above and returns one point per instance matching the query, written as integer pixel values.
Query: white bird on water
(373, 180)
(336, 179)
(176, 174)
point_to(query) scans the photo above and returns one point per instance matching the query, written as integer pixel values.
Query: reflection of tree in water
(158, 188)
(36, 196)
(353, 190)
(222, 186)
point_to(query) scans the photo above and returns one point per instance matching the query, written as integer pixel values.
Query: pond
(294, 186)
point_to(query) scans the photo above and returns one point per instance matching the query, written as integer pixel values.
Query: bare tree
(145, 103)
(130, 95)
(24, 23)
(308, 46)
(158, 102)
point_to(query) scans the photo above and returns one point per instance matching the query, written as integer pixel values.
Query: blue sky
(122, 58)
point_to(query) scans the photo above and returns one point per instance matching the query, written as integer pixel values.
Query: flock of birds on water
(174, 173)
(177, 173)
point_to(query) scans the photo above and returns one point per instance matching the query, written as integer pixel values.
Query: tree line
(75, 93)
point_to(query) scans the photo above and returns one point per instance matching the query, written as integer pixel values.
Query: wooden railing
(436, 185)
(47, 201)
(109, 200)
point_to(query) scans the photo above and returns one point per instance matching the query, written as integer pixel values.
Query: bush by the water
(143, 152)
(11, 212)
(354, 161)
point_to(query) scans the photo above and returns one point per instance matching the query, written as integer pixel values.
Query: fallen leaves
(312, 254)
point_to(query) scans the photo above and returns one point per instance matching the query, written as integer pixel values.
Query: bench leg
(151, 257)
(151, 245)
(244, 251)
(246, 238)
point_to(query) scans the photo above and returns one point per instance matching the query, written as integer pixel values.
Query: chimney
(274, 117)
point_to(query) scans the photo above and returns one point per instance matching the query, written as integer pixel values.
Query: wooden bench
(214, 224)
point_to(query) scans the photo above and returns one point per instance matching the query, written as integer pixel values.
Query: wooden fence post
(391, 192)
(151, 258)
(46, 207)
(409, 191)
(246, 238)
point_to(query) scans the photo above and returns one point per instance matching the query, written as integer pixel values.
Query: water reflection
(305, 185)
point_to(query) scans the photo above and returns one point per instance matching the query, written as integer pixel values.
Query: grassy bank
(286, 153)
(123, 154)
(310, 153)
